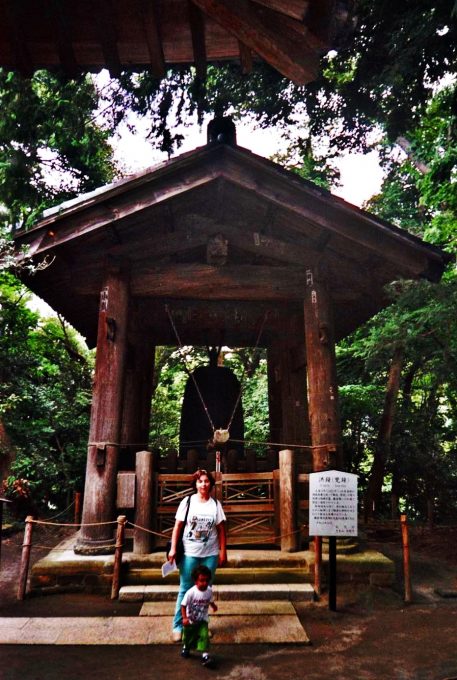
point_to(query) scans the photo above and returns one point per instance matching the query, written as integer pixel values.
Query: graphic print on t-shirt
(197, 611)
(199, 528)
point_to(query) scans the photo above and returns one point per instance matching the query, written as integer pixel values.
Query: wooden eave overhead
(151, 34)
(166, 225)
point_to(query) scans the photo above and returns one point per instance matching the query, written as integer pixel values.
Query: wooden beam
(320, 208)
(157, 246)
(320, 20)
(201, 281)
(197, 29)
(108, 36)
(264, 246)
(245, 58)
(148, 19)
(262, 31)
(16, 18)
(293, 8)
(62, 28)
(87, 218)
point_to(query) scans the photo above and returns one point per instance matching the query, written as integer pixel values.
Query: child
(194, 608)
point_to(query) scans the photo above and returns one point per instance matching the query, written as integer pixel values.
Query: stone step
(227, 608)
(251, 591)
(226, 575)
(237, 557)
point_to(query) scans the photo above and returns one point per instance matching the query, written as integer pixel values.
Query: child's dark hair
(200, 569)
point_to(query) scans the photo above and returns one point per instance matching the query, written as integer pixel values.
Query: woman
(204, 538)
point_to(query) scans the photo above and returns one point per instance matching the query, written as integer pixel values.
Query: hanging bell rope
(181, 352)
(221, 435)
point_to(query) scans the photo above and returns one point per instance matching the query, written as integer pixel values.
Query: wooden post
(142, 540)
(121, 520)
(323, 407)
(77, 515)
(332, 573)
(138, 389)
(287, 501)
(406, 561)
(25, 557)
(318, 565)
(322, 381)
(218, 489)
(96, 536)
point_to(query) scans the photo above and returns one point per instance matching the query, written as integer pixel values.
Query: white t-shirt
(200, 534)
(196, 603)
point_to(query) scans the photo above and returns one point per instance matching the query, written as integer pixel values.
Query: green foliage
(45, 393)
(50, 145)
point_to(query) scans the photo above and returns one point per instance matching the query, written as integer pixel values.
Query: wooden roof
(150, 34)
(220, 234)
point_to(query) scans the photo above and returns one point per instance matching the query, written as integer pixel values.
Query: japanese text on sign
(332, 504)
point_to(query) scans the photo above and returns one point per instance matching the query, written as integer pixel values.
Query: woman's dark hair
(199, 473)
(201, 569)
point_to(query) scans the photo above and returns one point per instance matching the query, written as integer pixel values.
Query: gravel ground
(373, 635)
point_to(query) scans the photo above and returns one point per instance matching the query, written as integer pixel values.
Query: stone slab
(258, 591)
(228, 608)
(142, 630)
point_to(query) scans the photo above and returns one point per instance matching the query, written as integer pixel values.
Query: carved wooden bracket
(217, 250)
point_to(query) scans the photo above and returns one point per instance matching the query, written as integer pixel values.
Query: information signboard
(332, 504)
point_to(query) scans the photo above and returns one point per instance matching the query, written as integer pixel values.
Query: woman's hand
(174, 540)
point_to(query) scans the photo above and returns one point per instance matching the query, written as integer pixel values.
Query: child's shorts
(195, 636)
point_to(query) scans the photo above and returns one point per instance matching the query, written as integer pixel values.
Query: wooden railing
(248, 499)
(269, 507)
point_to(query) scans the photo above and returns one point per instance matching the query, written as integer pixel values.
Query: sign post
(332, 513)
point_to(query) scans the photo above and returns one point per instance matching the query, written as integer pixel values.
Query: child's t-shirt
(200, 537)
(196, 603)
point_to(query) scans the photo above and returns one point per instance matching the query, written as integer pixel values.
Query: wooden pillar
(138, 390)
(287, 501)
(143, 541)
(274, 392)
(289, 422)
(105, 420)
(322, 381)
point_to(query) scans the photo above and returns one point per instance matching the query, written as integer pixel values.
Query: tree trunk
(381, 454)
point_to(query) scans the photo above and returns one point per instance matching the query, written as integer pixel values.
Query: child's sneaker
(185, 653)
(208, 661)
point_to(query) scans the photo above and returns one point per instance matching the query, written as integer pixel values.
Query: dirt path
(373, 635)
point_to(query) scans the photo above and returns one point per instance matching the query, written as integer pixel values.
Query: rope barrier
(137, 526)
(149, 531)
(59, 514)
(263, 443)
(67, 524)
(101, 445)
(205, 441)
(288, 446)
(54, 549)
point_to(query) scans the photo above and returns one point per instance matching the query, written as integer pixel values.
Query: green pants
(195, 636)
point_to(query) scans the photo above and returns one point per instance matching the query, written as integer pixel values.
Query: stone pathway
(272, 622)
